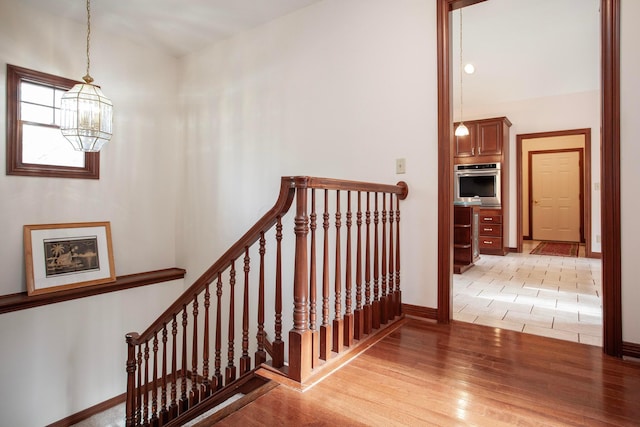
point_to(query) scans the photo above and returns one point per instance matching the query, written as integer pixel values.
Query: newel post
(300, 337)
(131, 379)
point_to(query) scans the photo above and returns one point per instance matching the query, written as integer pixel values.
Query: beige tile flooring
(558, 297)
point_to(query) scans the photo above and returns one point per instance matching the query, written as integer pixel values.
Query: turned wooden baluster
(230, 371)
(315, 337)
(398, 290)
(358, 323)
(164, 413)
(131, 404)
(140, 402)
(154, 391)
(184, 398)
(278, 344)
(325, 328)
(194, 395)
(367, 271)
(383, 299)
(218, 352)
(338, 322)
(145, 409)
(206, 384)
(391, 298)
(173, 407)
(375, 306)
(261, 354)
(245, 360)
(348, 315)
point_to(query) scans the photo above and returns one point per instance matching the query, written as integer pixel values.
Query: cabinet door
(489, 139)
(465, 146)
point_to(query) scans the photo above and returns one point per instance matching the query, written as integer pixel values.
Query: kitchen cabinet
(492, 231)
(465, 237)
(485, 142)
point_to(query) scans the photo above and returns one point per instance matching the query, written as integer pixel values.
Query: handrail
(162, 358)
(282, 205)
(288, 185)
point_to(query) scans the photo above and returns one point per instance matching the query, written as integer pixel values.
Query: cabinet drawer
(490, 230)
(490, 219)
(490, 242)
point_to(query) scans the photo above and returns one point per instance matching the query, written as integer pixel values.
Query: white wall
(62, 358)
(629, 170)
(556, 113)
(137, 189)
(338, 89)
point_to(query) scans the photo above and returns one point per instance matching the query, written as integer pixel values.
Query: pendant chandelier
(86, 115)
(461, 130)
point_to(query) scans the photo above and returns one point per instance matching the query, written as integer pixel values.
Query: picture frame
(67, 256)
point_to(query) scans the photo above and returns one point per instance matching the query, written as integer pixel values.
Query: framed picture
(67, 256)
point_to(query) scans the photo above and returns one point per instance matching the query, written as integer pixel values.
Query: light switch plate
(401, 166)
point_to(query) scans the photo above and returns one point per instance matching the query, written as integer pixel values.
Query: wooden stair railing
(169, 366)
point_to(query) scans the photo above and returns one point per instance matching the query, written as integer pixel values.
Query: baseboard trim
(631, 349)
(89, 412)
(420, 311)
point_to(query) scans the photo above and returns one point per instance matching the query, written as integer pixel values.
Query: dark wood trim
(458, 4)
(631, 349)
(22, 301)
(14, 163)
(586, 183)
(610, 172)
(445, 165)
(610, 177)
(420, 311)
(89, 412)
(581, 173)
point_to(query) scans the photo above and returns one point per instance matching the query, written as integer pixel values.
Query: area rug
(556, 249)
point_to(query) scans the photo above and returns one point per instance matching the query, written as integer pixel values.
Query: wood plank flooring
(459, 375)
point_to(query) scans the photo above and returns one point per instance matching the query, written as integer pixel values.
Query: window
(35, 146)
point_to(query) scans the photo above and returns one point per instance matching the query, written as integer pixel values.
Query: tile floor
(558, 297)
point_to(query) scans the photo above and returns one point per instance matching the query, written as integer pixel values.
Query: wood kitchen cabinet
(485, 141)
(465, 237)
(492, 231)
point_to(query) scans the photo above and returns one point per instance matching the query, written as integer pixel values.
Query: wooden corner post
(300, 341)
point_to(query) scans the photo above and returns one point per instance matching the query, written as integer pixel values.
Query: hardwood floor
(461, 374)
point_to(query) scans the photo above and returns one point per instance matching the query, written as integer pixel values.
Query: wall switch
(596, 186)
(597, 238)
(401, 166)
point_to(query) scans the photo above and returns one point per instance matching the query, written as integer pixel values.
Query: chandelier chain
(461, 65)
(88, 78)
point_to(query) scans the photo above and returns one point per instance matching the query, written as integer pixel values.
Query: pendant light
(461, 130)
(86, 114)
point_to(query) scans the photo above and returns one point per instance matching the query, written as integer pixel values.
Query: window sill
(22, 301)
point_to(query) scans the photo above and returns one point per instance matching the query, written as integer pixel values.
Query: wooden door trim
(586, 132)
(581, 170)
(610, 172)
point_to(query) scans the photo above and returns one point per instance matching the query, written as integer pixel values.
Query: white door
(555, 181)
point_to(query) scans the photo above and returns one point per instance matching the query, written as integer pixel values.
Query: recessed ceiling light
(469, 68)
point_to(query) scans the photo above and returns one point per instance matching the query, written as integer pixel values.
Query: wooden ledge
(22, 301)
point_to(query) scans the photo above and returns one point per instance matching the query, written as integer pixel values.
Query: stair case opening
(317, 274)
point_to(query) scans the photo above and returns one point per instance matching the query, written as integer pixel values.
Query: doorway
(575, 139)
(610, 161)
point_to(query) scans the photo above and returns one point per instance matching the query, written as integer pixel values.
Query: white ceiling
(175, 26)
(524, 49)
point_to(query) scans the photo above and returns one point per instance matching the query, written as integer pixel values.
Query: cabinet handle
(487, 229)
(487, 219)
(487, 242)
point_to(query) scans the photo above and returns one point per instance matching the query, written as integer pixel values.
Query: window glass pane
(46, 146)
(36, 93)
(37, 113)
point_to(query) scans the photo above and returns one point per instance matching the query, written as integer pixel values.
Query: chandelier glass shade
(86, 114)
